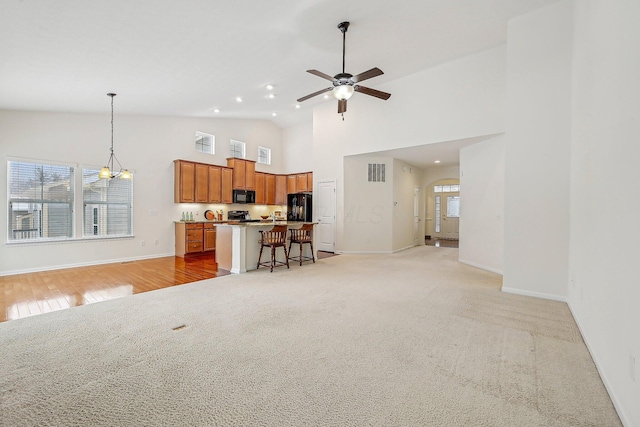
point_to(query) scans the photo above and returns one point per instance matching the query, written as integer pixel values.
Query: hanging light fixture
(107, 172)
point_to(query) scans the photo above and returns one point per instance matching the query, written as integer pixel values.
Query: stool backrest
(276, 236)
(302, 234)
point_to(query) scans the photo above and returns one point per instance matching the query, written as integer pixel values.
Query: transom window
(237, 149)
(453, 188)
(205, 143)
(264, 155)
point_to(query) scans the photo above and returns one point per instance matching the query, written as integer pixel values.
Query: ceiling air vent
(376, 172)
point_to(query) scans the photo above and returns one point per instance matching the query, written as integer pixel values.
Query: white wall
(368, 207)
(460, 99)
(298, 155)
(482, 204)
(604, 290)
(146, 145)
(405, 179)
(536, 237)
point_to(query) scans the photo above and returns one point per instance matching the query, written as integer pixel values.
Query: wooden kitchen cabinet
(202, 183)
(215, 184)
(184, 187)
(309, 181)
(281, 190)
(301, 182)
(291, 184)
(269, 188)
(227, 185)
(244, 173)
(261, 195)
(209, 237)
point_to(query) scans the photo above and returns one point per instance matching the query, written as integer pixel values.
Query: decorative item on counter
(210, 215)
(190, 216)
(183, 217)
(220, 215)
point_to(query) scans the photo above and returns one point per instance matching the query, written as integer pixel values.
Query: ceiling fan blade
(321, 74)
(304, 98)
(374, 72)
(342, 106)
(372, 92)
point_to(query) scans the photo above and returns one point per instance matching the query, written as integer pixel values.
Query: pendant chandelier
(107, 172)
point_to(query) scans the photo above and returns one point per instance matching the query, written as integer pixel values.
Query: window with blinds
(40, 201)
(264, 155)
(108, 205)
(237, 149)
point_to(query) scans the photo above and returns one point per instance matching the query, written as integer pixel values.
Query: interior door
(325, 239)
(447, 215)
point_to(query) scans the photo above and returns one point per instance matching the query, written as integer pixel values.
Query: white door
(447, 215)
(325, 239)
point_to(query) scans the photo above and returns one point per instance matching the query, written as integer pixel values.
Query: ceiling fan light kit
(344, 84)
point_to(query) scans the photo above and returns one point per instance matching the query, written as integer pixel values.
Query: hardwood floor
(23, 295)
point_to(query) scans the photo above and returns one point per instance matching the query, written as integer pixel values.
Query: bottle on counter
(183, 218)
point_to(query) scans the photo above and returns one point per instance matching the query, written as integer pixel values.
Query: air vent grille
(376, 172)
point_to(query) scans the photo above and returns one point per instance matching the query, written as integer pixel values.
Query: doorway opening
(442, 223)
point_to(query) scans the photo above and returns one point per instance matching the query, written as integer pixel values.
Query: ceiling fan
(344, 84)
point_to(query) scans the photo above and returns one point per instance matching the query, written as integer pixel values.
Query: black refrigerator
(299, 207)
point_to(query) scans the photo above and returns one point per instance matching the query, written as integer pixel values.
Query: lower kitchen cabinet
(194, 238)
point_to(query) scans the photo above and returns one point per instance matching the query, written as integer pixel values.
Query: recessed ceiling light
(269, 87)
(215, 110)
(298, 106)
(437, 161)
(274, 114)
(271, 95)
(238, 99)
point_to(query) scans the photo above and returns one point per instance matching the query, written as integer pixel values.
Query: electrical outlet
(142, 243)
(155, 242)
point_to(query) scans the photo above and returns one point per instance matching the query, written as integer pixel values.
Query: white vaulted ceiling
(186, 58)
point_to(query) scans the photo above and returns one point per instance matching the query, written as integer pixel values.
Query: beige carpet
(410, 339)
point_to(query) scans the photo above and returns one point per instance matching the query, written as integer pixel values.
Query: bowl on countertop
(264, 216)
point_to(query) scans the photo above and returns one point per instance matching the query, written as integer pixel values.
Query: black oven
(244, 196)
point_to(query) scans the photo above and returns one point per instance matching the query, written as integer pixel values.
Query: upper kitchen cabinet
(270, 188)
(201, 183)
(184, 188)
(281, 190)
(300, 183)
(261, 194)
(244, 173)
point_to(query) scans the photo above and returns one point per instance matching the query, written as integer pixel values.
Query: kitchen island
(238, 244)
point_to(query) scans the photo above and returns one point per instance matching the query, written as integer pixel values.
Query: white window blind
(40, 201)
(237, 149)
(264, 155)
(108, 205)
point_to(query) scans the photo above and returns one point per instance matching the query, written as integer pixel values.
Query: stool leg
(286, 255)
(312, 257)
(301, 253)
(290, 242)
(260, 256)
(273, 257)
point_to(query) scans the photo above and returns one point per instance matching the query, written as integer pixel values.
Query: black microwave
(244, 196)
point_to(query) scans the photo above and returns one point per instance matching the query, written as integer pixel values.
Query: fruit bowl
(264, 216)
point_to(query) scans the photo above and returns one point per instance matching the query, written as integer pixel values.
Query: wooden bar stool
(274, 238)
(302, 235)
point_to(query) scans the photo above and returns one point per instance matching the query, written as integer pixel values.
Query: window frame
(268, 152)
(88, 225)
(212, 150)
(71, 226)
(232, 144)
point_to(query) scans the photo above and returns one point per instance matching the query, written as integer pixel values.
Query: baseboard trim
(83, 264)
(603, 377)
(480, 266)
(534, 294)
